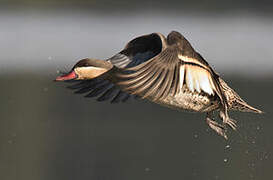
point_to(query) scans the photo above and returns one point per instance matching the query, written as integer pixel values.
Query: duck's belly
(187, 100)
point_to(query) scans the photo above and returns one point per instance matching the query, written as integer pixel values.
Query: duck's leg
(218, 128)
(227, 120)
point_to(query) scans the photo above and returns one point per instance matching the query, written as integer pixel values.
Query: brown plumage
(167, 71)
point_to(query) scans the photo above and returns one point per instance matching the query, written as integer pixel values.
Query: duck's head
(86, 69)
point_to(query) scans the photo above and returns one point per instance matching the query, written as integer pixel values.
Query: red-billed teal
(167, 71)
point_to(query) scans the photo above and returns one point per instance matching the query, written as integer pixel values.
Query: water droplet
(147, 169)
(258, 128)
(225, 160)
(227, 146)
(195, 136)
(251, 165)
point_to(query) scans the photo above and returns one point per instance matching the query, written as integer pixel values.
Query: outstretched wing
(100, 88)
(136, 52)
(167, 73)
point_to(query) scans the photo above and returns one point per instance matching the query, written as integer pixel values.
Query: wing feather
(120, 97)
(147, 86)
(189, 79)
(138, 51)
(108, 94)
(177, 81)
(154, 79)
(199, 79)
(167, 74)
(181, 71)
(139, 81)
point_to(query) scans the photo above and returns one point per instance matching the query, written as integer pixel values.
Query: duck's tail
(235, 102)
(241, 105)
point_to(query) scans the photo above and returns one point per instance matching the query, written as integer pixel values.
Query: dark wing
(154, 78)
(166, 74)
(101, 88)
(138, 51)
(135, 52)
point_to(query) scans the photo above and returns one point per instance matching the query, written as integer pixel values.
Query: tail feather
(244, 107)
(235, 102)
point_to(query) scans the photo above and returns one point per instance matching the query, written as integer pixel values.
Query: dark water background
(47, 132)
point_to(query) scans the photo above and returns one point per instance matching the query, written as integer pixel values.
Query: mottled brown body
(190, 101)
(201, 102)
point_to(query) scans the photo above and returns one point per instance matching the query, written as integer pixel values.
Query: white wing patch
(196, 79)
(181, 77)
(190, 79)
(205, 84)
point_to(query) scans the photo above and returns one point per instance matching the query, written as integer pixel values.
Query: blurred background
(47, 132)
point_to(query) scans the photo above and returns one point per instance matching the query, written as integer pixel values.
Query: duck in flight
(164, 70)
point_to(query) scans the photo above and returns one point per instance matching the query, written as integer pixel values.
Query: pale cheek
(90, 72)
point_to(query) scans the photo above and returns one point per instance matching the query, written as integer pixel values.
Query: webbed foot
(218, 128)
(228, 121)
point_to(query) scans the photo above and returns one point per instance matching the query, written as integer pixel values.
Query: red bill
(69, 76)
